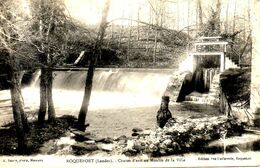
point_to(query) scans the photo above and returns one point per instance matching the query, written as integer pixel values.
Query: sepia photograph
(129, 83)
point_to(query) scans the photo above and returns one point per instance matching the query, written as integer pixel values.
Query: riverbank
(36, 136)
(180, 136)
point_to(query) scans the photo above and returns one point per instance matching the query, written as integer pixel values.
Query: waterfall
(35, 78)
(112, 88)
(198, 87)
(209, 73)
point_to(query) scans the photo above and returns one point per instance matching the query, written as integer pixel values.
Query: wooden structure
(210, 46)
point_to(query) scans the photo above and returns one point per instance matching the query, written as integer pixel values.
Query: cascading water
(199, 86)
(112, 88)
(209, 73)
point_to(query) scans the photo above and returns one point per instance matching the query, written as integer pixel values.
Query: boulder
(90, 142)
(107, 140)
(122, 142)
(123, 137)
(81, 136)
(107, 147)
(167, 142)
(130, 152)
(130, 144)
(84, 147)
(147, 132)
(137, 129)
(135, 134)
(99, 139)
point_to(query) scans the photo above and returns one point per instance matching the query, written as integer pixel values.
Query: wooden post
(194, 62)
(222, 62)
(164, 114)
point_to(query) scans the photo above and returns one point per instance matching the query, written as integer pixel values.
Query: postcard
(129, 83)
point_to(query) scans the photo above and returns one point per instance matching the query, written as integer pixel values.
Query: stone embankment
(177, 137)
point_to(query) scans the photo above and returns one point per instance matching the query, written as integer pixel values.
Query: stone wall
(255, 76)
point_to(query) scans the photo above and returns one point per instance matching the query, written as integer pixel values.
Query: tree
(212, 25)
(217, 18)
(49, 27)
(226, 26)
(200, 14)
(89, 80)
(129, 37)
(12, 40)
(188, 28)
(158, 8)
(234, 20)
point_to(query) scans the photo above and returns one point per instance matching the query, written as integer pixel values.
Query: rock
(175, 146)
(79, 133)
(137, 129)
(107, 147)
(178, 138)
(170, 151)
(153, 148)
(89, 142)
(163, 151)
(81, 136)
(162, 146)
(130, 152)
(65, 150)
(84, 147)
(107, 140)
(122, 142)
(158, 134)
(123, 137)
(129, 144)
(99, 139)
(153, 134)
(68, 134)
(145, 132)
(50, 147)
(65, 141)
(167, 142)
(186, 88)
(171, 131)
(135, 134)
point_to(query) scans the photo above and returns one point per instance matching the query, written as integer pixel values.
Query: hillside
(136, 46)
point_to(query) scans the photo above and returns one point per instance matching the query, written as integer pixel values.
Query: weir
(112, 88)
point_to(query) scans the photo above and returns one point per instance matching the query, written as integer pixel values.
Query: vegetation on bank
(36, 136)
(235, 83)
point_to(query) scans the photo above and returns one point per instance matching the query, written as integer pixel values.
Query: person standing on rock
(163, 114)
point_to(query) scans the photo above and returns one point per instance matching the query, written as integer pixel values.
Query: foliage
(212, 26)
(141, 51)
(14, 36)
(36, 137)
(49, 29)
(235, 84)
(239, 49)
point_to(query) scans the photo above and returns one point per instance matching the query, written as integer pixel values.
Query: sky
(89, 11)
